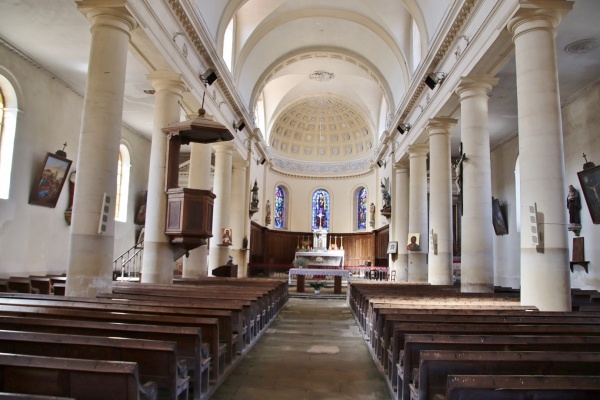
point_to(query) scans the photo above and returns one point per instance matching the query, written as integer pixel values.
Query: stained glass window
(320, 210)
(279, 207)
(361, 209)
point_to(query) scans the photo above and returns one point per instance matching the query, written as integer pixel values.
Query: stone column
(239, 212)
(477, 247)
(157, 266)
(218, 253)
(401, 200)
(544, 268)
(196, 265)
(417, 213)
(91, 251)
(440, 201)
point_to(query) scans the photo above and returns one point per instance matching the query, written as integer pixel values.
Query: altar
(301, 273)
(322, 258)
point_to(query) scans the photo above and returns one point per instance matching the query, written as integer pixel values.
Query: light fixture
(208, 77)
(434, 78)
(240, 125)
(403, 127)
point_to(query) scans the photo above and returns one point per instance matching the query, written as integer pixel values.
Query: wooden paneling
(279, 247)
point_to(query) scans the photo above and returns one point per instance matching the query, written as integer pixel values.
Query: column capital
(111, 13)
(533, 15)
(165, 81)
(418, 150)
(223, 147)
(442, 125)
(401, 167)
(471, 86)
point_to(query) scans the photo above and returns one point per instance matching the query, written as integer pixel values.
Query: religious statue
(372, 215)
(268, 213)
(458, 171)
(387, 199)
(574, 205)
(254, 201)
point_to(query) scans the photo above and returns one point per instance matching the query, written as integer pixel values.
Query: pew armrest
(149, 391)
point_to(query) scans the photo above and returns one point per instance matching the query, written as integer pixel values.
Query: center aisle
(313, 350)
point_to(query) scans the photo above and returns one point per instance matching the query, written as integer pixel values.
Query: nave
(313, 350)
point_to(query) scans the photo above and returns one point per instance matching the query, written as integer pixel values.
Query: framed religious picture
(413, 243)
(50, 181)
(392, 247)
(590, 186)
(498, 219)
(226, 237)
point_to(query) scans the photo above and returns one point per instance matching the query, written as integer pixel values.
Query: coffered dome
(321, 129)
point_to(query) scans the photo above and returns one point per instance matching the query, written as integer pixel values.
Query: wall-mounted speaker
(104, 213)
(535, 234)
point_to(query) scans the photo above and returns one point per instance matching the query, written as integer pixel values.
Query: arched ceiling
(366, 45)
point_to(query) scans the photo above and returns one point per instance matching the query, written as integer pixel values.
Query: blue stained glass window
(279, 208)
(320, 210)
(361, 209)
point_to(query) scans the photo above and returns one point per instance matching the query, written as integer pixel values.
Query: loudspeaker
(264, 160)
(208, 77)
(240, 125)
(429, 81)
(403, 128)
(380, 163)
(104, 213)
(535, 236)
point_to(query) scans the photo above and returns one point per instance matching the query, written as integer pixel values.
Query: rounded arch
(11, 93)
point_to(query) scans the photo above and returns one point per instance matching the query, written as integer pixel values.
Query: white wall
(581, 124)
(34, 239)
(341, 191)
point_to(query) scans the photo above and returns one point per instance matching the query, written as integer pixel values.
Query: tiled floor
(313, 350)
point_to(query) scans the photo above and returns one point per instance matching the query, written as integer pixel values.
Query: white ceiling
(364, 43)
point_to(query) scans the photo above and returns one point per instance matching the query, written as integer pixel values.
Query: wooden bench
(157, 360)
(20, 285)
(520, 387)
(400, 330)
(436, 365)
(189, 340)
(19, 396)
(209, 326)
(81, 379)
(414, 344)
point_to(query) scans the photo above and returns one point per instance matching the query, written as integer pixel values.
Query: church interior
(427, 161)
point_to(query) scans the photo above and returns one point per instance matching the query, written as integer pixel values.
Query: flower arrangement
(317, 285)
(299, 263)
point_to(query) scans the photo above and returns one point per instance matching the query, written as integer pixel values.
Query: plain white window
(228, 45)
(8, 128)
(416, 46)
(123, 169)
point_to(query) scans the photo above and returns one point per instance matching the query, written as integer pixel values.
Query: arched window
(320, 210)
(122, 184)
(228, 45)
(8, 128)
(279, 208)
(361, 209)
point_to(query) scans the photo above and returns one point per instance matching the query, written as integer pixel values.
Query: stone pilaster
(400, 223)
(219, 253)
(417, 213)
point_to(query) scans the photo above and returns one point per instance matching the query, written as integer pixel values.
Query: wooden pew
(400, 330)
(414, 344)
(20, 285)
(189, 340)
(20, 396)
(157, 360)
(81, 379)
(226, 320)
(520, 387)
(437, 365)
(209, 326)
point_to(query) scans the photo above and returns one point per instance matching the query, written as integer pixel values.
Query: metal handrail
(128, 266)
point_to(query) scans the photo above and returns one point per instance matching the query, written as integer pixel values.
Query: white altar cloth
(317, 271)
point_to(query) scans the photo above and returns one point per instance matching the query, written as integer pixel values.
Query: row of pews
(433, 342)
(140, 341)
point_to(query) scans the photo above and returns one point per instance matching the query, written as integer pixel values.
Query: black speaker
(429, 81)
(209, 77)
(240, 125)
(264, 160)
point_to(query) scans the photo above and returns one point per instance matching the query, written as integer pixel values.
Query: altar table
(301, 273)
(325, 258)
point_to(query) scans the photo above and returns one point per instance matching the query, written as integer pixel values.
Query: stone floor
(313, 350)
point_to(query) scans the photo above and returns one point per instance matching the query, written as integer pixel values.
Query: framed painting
(590, 186)
(500, 226)
(392, 247)
(50, 181)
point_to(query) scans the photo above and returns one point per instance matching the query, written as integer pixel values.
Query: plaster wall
(341, 190)
(35, 239)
